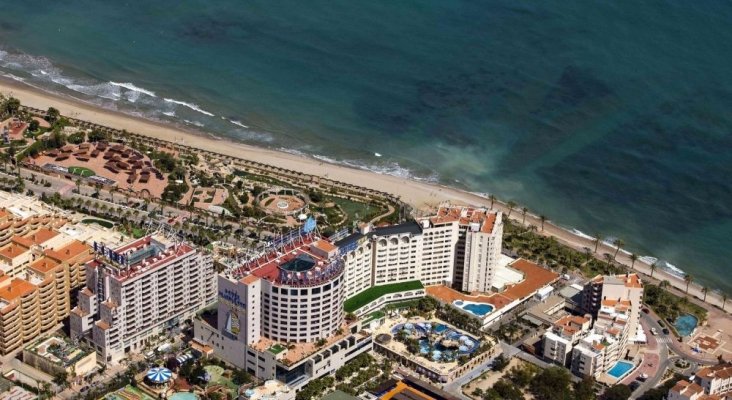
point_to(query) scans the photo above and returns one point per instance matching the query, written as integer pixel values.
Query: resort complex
(135, 268)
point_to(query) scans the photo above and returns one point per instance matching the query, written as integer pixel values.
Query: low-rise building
(56, 355)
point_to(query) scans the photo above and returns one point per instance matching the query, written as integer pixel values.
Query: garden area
(525, 242)
(83, 172)
(361, 374)
(670, 306)
(367, 296)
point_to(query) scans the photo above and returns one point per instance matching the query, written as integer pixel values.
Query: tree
(524, 210)
(653, 267)
(704, 291)
(492, 198)
(511, 204)
(52, 115)
(60, 378)
(688, 279)
(617, 392)
(11, 106)
(552, 383)
(724, 300)
(597, 241)
(542, 218)
(618, 243)
(33, 125)
(585, 389)
(633, 259)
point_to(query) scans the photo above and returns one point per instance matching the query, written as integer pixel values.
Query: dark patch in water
(674, 157)
(215, 29)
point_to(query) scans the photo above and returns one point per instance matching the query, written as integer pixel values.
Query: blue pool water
(620, 369)
(477, 309)
(183, 396)
(685, 324)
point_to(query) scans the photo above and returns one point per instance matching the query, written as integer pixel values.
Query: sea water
(609, 117)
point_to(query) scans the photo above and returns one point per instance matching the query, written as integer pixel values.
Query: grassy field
(357, 211)
(81, 171)
(369, 295)
(101, 222)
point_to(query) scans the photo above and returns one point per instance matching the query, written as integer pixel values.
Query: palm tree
(597, 241)
(688, 279)
(492, 198)
(664, 284)
(705, 290)
(724, 300)
(542, 218)
(511, 204)
(618, 243)
(524, 210)
(633, 259)
(653, 267)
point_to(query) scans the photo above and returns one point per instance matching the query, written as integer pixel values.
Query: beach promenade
(420, 195)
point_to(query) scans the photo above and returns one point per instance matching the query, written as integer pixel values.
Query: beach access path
(421, 195)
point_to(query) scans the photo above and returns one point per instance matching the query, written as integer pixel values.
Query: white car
(653, 331)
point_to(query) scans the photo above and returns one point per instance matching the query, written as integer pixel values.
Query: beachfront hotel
(138, 290)
(564, 334)
(281, 314)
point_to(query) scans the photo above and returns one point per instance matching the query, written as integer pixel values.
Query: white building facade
(139, 290)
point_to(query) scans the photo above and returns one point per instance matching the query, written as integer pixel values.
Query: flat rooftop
(486, 219)
(308, 259)
(142, 256)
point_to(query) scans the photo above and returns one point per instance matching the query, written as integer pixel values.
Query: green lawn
(369, 295)
(101, 222)
(357, 210)
(81, 171)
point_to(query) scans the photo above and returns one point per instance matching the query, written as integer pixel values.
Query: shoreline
(418, 194)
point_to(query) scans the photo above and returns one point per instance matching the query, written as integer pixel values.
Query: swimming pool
(477, 309)
(620, 369)
(685, 324)
(183, 396)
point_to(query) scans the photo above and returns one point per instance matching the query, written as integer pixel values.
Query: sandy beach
(418, 194)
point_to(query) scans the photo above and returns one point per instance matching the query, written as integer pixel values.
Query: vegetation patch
(369, 295)
(670, 306)
(81, 171)
(106, 224)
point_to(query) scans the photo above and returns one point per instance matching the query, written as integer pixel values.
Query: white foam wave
(254, 135)
(393, 169)
(195, 123)
(169, 113)
(192, 106)
(14, 77)
(238, 123)
(132, 87)
(582, 234)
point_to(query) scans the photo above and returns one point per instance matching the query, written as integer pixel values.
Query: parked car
(666, 331)
(634, 385)
(654, 332)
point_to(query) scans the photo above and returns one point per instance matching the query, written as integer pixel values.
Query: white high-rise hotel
(137, 290)
(275, 308)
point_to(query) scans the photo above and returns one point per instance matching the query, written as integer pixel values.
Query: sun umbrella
(159, 375)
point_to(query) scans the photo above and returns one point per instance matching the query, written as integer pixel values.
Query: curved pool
(685, 324)
(478, 309)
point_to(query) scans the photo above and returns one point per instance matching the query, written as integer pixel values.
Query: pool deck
(535, 278)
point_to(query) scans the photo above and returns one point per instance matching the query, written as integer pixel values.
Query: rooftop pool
(477, 309)
(620, 369)
(685, 324)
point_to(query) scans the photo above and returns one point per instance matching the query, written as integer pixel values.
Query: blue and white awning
(159, 375)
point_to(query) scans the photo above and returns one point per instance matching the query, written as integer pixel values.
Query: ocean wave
(237, 123)
(195, 123)
(132, 87)
(14, 77)
(192, 106)
(247, 134)
(391, 168)
(581, 234)
(169, 113)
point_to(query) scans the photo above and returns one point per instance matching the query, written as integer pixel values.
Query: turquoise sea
(610, 117)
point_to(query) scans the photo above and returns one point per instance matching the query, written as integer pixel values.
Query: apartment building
(598, 351)
(564, 334)
(627, 287)
(38, 300)
(138, 290)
